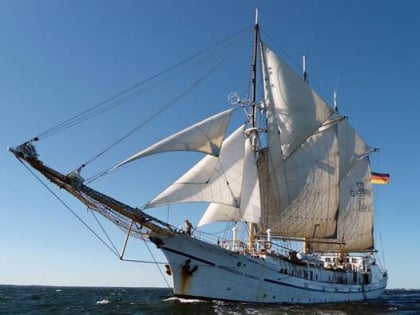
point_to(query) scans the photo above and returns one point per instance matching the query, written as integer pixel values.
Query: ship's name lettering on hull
(239, 273)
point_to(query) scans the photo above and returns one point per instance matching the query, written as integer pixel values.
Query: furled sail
(212, 179)
(205, 136)
(300, 167)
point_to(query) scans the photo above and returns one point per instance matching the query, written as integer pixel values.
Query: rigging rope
(112, 249)
(156, 114)
(69, 209)
(153, 116)
(103, 230)
(113, 101)
(157, 265)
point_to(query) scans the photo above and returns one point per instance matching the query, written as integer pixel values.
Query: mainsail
(301, 198)
(316, 169)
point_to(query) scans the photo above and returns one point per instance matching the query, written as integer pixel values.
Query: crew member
(188, 227)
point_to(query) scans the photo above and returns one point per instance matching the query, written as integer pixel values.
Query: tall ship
(295, 172)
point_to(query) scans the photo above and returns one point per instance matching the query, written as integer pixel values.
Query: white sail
(355, 219)
(249, 209)
(250, 191)
(301, 179)
(312, 182)
(297, 110)
(217, 212)
(205, 136)
(212, 179)
(316, 171)
(355, 216)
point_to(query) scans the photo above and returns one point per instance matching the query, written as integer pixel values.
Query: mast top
(256, 16)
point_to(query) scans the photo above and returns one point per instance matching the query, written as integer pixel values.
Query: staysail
(217, 212)
(220, 180)
(212, 179)
(205, 136)
(249, 209)
(226, 177)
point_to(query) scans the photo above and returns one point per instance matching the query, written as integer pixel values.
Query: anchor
(187, 270)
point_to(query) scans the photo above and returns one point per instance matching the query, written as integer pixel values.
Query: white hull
(205, 271)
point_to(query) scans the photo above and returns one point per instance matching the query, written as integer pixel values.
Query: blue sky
(59, 58)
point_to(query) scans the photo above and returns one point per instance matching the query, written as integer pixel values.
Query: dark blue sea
(83, 300)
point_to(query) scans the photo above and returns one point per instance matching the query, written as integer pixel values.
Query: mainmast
(253, 132)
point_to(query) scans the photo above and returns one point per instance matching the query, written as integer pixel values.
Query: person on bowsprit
(188, 227)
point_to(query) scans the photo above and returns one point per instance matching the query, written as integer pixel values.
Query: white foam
(181, 300)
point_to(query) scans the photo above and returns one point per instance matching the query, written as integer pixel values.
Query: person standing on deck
(188, 227)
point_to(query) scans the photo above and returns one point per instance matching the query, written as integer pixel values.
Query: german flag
(379, 178)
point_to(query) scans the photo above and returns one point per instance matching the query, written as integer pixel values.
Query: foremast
(95, 200)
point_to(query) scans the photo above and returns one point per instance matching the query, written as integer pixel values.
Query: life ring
(267, 245)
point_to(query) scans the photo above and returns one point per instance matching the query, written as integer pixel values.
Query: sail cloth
(300, 166)
(205, 136)
(212, 179)
(315, 172)
(248, 209)
(220, 180)
(297, 110)
(355, 220)
(355, 216)
(217, 212)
